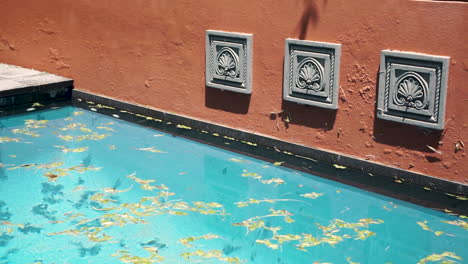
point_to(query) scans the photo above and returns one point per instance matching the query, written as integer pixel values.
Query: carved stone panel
(229, 61)
(412, 88)
(311, 73)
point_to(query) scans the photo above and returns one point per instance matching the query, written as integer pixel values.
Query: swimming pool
(80, 187)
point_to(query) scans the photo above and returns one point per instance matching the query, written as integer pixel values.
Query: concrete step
(20, 86)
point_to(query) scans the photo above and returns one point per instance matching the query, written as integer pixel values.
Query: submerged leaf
(7, 139)
(312, 195)
(339, 166)
(445, 257)
(151, 150)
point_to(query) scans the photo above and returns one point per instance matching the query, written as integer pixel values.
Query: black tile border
(397, 183)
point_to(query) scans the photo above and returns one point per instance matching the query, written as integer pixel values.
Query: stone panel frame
(229, 61)
(413, 88)
(318, 60)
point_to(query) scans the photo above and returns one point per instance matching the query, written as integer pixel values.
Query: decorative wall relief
(229, 61)
(311, 73)
(412, 88)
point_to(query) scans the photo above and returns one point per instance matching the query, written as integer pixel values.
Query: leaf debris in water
(114, 191)
(37, 104)
(276, 181)
(458, 222)
(183, 127)
(151, 149)
(255, 201)
(211, 254)
(239, 160)
(186, 241)
(74, 150)
(105, 128)
(424, 226)
(94, 136)
(339, 166)
(444, 258)
(7, 139)
(312, 195)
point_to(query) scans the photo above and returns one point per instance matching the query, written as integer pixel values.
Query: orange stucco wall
(152, 52)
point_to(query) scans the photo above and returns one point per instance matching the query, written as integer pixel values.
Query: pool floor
(80, 187)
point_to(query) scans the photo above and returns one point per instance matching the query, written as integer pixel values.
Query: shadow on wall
(406, 136)
(226, 100)
(306, 115)
(310, 16)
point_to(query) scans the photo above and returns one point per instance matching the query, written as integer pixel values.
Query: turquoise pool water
(80, 187)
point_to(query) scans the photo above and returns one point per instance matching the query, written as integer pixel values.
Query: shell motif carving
(228, 63)
(411, 91)
(310, 75)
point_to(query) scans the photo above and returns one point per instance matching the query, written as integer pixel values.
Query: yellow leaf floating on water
(339, 166)
(351, 262)
(251, 175)
(211, 254)
(76, 126)
(56, 173)
(99, 197)
(249, 143)
(256, 222)
(239, 160)
(104, 106)
(78, 188)
(151, 150)
(77, 113)
(145, 184)
(286, 238)
(278, 163)
(458, 222)
(312, 195)
(424, 226)
(114, 191)
(37, 104)
(267, 243)
(444, 258)
(25, 131)
(106, 209)
(331, 231)
(105, 128)
(186, 241)
(125, 257)
(255, 201)
(7, 139)
(184, 127)
(75, 150)
(276, 181)
(66, 138)
(31, 123)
